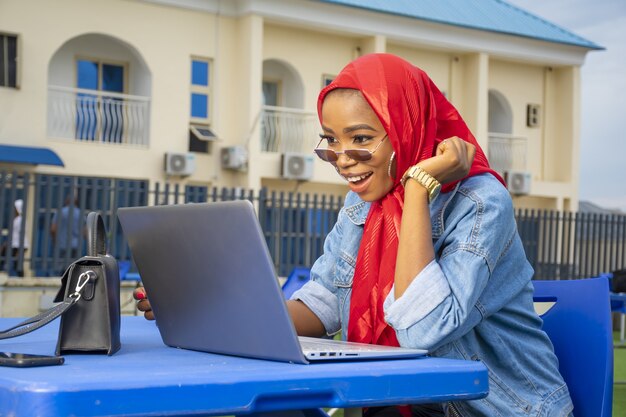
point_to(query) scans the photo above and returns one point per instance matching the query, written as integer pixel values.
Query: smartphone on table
(24, 360)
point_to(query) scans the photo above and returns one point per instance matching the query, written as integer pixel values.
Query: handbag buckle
(83, 279)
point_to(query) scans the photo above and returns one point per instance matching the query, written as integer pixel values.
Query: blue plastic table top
(147, 378)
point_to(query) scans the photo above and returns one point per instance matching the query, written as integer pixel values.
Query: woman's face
(350, 123)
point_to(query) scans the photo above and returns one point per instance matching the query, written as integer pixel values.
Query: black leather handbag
(89, 301)
(93, 324)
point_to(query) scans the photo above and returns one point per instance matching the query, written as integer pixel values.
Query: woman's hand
(143, 304)
(452, 161)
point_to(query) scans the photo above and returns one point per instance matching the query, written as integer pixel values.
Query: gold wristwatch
(425, 179)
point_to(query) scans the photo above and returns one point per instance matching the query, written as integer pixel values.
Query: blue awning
(29, 155)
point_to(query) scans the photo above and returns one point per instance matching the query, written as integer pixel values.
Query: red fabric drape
(416, 116)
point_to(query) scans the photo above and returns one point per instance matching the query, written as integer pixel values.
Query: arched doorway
(99, 90)
(502, 144)
(500, 113)
(282, 85)
(285, 126)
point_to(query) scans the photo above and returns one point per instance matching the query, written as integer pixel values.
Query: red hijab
(416, 116)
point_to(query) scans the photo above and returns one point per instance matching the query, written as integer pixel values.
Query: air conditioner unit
(182, 164)
(518, 182)
(297, 166)
(234, 157)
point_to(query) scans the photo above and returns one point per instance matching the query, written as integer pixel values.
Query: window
(93, 74)
(8, 60)
(196, 193)
(327, 79)
(200, 138)
(271, 92)
(100, 116)
(200, 91)
(200, 134)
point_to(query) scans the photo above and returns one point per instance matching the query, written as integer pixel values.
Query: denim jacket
(474, 301)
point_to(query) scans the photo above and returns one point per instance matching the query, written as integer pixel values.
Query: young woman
(415, 264)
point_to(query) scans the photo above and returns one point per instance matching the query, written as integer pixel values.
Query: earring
(393, 155)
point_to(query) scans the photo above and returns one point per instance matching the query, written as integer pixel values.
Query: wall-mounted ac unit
(518, 182)
(234, 157)
(297, 166)
(182, 164)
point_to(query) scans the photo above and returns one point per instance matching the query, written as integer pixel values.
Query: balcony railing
(507, 152)
(98, 116)
(288, 130)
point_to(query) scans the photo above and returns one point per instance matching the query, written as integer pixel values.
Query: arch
(61, 71)
(291, 92)
(500, 113)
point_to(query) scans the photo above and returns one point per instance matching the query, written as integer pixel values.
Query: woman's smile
(358, 182)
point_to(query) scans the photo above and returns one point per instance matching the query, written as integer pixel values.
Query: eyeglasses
(359, 155)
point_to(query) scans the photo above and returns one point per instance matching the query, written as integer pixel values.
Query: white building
(223, 93)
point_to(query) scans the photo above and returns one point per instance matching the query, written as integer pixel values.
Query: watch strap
(429, 182)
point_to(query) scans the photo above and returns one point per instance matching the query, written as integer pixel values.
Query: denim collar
(357, 209)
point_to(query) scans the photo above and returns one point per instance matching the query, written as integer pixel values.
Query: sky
(603, 91)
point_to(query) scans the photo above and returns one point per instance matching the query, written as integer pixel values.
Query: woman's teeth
(358, 177)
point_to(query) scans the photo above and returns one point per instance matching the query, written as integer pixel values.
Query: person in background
(65, 230)
(18, 220)
(416, 264)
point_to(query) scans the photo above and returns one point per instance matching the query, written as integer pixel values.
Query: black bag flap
(84, 261)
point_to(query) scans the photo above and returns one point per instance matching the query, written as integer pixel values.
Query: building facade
(204, 93)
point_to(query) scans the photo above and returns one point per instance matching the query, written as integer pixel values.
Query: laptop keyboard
(311, 344)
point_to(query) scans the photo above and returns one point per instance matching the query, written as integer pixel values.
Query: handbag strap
(96, 235)
(41, 319)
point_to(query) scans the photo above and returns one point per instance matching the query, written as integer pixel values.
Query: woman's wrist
(416, 174)
(416, 191)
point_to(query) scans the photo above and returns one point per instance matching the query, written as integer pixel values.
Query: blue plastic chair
(124, 267)
(296, 279)
(618, 305)
(579, 326)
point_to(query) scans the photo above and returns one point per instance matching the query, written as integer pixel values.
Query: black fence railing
(559, 245)
(54, 207)
(566, 245)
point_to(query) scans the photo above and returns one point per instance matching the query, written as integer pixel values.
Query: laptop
(212, 285)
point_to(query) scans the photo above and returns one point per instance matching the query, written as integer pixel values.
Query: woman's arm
(451, 162)
(305, 321)
(315, 309)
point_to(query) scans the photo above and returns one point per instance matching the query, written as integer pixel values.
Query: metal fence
(559, 245)
(295, 225)
(567, 245)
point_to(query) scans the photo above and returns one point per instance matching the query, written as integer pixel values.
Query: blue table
(147, 378)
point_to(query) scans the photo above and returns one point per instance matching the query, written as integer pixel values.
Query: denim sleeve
(319, 294)
(435, 309)
(442, 302)
(323, 303)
